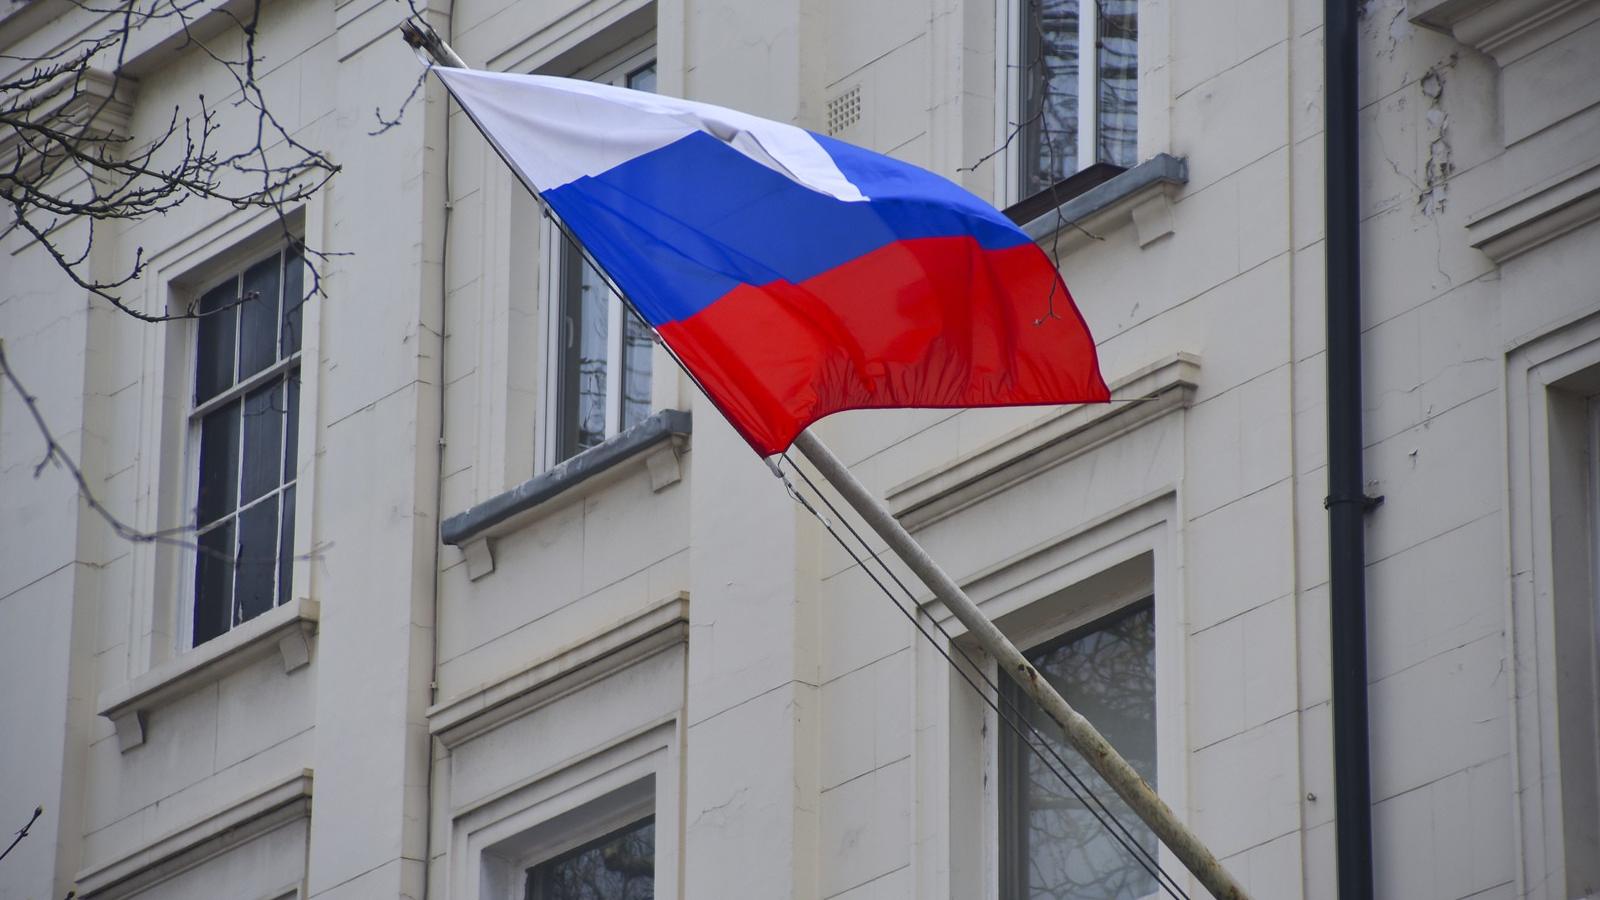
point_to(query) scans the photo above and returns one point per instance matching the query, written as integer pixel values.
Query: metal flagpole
(1077, 730)
(1082, 735)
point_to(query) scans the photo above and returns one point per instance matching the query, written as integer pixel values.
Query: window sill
(285, 630)
(656, 444)
(1140, 195)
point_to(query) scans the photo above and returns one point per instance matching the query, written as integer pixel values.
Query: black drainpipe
(1347, 502)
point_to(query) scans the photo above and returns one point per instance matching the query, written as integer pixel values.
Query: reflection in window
(619, 866)
(1079, 88)
(603, 350)
(1052, 847)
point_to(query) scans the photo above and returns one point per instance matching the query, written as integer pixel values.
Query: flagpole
(1077, 730)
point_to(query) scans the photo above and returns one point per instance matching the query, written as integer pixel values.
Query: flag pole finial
(421, 37)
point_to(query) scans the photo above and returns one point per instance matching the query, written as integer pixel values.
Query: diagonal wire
(982, 673)
(1070, 779)
(1081, 791)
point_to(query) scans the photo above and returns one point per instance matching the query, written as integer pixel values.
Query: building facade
(532, 621)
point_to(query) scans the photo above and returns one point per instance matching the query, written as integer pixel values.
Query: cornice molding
(944, 491)
(257, 812)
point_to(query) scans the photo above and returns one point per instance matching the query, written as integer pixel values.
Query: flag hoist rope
(1077, 730)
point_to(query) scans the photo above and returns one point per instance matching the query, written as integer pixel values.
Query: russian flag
(792, 274)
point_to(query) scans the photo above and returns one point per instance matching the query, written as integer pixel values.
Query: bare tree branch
(37, 812)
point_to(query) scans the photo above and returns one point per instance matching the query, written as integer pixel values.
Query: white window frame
(1551, 382)
(496, 842)
(1035, 598)
(1010, 19)
(615, 68)
(237, 261)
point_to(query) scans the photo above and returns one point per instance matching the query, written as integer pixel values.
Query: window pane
(1119, 82)
(213, 371)
(294, 273)
(219, 465)
(258, 559)
(1049, 93)
(583, 357)
(213, 583)
(286, 546)
(1057, 849)
(619, 866)
(263, 441)
(258, 317)
(637, 347)
(644, 79)
(291, 428)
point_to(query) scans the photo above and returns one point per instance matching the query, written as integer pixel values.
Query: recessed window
(602, 351)
(1051, 844)
(619, 866)
(1079, 91)
(243, 424)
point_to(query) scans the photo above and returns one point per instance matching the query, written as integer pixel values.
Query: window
(243, 423)
(1078, 96)
(601, 349)
(1051, 845)
(619, 866)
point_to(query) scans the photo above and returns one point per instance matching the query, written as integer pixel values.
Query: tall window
(1079, 88)
(1051, 844)
(619, 866)
(244, 421)
(602, 350)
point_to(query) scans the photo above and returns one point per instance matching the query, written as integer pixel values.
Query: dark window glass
(291, 427)
(1054, 49)
(1050, 59)
(263, 437)
(286, 546)
(643, 78)
(1052, 846)
(213, 372)
(219, 465)
(636, 349)
(255, 587)
(294, 300)
(244, 502)
(213, 581)
(619, 866)
(585, 328)
(1119, 82)
(258, 317)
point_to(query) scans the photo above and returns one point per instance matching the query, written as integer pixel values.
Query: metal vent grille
(844, 110)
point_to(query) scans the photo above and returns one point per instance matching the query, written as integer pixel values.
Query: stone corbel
(664, 467)
(286, 632)
(479, 554)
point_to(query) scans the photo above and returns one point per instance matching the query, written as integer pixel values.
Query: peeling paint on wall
(1437, 167)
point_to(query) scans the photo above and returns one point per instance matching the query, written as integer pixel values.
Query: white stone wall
(677, 637)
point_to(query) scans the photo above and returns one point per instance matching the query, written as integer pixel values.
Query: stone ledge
(1503, 29)
(1542, 213)
(666, 432)
(275, 804)
(285, 630)
(1160, 387)
(615, 647)
(1113, 203)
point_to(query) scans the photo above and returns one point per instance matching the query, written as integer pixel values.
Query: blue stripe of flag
(681, 226)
